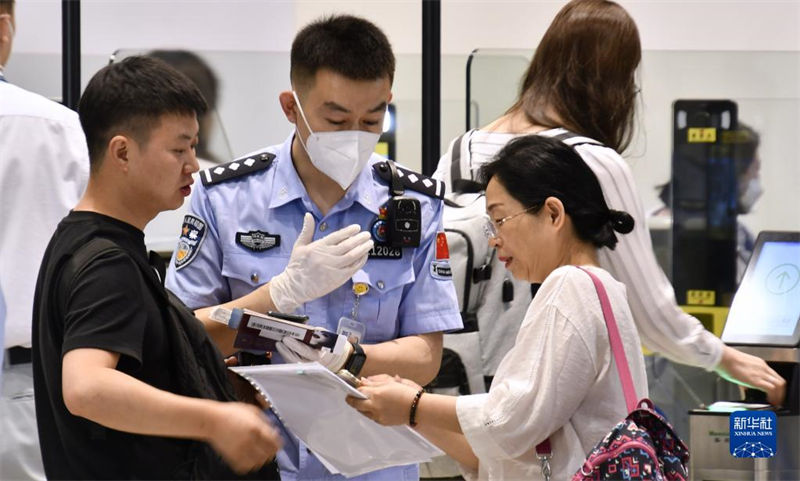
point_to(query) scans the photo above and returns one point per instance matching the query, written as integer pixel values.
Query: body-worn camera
(404, 221)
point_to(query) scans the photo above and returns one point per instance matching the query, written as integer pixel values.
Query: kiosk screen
(766, 308)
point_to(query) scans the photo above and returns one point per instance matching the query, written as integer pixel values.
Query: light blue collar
(286, 184)
(365, 190)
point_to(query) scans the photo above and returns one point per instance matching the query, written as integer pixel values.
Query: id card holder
(353, 330)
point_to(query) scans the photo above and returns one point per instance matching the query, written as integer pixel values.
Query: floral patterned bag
(643, 446)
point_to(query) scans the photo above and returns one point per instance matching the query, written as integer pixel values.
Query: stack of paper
(310, 401)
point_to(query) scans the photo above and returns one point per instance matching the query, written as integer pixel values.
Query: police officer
(268, 231)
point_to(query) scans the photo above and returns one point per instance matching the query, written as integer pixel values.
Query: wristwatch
(356, 360)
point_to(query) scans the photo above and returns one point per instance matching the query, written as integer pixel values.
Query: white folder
(310, 401)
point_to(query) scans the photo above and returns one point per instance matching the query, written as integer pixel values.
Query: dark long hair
(534, 167)
(582, 75)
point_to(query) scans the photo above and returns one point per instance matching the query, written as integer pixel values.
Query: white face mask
(341, 155)
(748, 197)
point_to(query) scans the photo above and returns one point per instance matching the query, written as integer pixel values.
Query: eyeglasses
(491, 227)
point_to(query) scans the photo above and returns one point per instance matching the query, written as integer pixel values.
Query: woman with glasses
(582, 80)
(546, 215)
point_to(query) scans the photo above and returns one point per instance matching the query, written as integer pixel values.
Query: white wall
(270, 24)
(663, 25)
(201, 24)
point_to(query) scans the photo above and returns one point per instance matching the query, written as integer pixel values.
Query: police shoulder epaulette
(411, 180)
(237, 168)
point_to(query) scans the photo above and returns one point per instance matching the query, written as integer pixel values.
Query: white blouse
(558, 381)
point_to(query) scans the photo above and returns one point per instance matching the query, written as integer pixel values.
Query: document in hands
(310, 401)
(260, 332)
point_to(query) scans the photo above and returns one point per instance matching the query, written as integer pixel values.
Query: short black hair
(130, 97)
(350, 46)
(534, 167)
(7, 6)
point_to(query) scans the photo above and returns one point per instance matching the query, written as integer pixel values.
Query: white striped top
(663, 327)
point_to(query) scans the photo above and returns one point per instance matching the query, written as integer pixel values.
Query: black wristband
(356, 360)
(412, 414)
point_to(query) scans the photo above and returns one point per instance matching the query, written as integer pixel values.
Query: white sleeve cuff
(476, 426)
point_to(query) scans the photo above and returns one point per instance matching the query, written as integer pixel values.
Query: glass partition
(248, 116)
(766, 89)
(765, 85)
(493, 81)
(41, 72)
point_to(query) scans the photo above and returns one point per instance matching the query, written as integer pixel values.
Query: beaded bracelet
(413, 413)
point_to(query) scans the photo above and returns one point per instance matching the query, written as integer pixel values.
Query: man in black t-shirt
(128, 384)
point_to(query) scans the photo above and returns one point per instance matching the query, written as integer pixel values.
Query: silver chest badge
(258, 241)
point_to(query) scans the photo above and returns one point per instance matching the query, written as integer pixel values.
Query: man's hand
(245, 392)
(317, 268)
(241, 434)
(293, 350)
(751, 371)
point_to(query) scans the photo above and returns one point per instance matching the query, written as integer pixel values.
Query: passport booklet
(260, 332)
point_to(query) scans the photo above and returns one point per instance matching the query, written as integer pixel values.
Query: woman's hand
(389, 399)
(741, 368)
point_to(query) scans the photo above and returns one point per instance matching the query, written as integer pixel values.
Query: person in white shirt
(559, 381)
(44, 167)
(582, 79)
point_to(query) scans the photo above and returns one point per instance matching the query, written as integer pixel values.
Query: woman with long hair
(582, 80)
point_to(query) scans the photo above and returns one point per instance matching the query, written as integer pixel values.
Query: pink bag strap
(615, 340)
(543, 449)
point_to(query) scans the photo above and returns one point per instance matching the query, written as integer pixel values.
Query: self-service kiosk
(764, 321)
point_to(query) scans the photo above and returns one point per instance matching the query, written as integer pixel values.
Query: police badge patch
(193, 232)
(441, 270)
(257, 241)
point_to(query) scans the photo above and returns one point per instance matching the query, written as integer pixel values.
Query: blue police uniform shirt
(404, 298)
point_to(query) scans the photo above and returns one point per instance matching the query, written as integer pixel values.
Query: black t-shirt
(109, 305)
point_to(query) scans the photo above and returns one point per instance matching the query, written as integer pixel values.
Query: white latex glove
(317, 268)
(293, 350)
